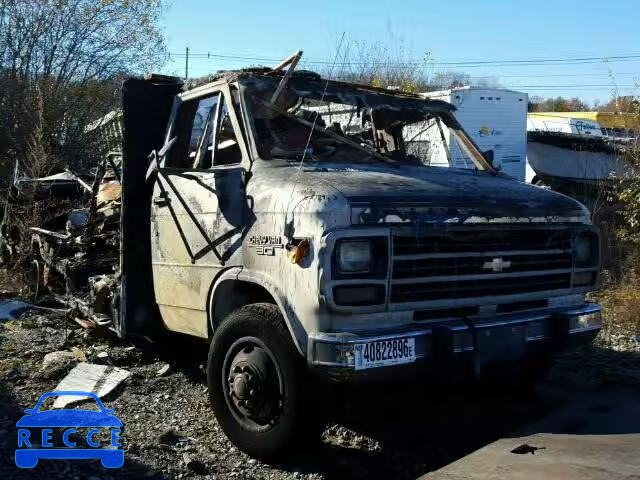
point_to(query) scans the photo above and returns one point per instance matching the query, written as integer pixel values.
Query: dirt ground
(402, 431)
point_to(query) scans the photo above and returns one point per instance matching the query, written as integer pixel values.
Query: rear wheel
(257, 384)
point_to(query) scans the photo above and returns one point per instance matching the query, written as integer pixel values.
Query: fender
(228, 274)
(295, 327)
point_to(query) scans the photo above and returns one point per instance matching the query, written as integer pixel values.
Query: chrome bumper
(498, 340)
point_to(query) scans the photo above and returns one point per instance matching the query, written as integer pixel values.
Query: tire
(251, 337)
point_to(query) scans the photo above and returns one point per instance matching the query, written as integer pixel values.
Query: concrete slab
(559, 456)
(595, 437)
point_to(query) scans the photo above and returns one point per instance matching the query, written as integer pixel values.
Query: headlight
(354, 256)
(587, 249)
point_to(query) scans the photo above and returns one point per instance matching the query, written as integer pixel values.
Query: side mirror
(30, 410)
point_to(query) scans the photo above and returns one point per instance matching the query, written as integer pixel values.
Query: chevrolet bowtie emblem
(496, 264)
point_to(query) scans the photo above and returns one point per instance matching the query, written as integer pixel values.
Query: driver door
(197, 213)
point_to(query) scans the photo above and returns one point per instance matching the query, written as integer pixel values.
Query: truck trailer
(495, 118)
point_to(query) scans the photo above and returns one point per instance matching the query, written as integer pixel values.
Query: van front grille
(479, 261)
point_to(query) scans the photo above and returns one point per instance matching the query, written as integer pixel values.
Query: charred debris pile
(65, 228)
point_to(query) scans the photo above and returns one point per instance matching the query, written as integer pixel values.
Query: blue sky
(461, 31)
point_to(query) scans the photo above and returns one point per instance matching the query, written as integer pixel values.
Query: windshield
(338, 122)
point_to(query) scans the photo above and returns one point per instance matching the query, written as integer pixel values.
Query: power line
(579, 85)
(616, 74)
(416, 62)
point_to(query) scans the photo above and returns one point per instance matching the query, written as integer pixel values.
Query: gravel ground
(398, 431)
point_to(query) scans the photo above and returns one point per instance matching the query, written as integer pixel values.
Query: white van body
(495, 118)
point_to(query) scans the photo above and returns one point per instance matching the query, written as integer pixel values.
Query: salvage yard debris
(75, 251)
(89, 377)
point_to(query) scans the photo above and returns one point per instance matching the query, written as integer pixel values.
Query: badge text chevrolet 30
(296, 223)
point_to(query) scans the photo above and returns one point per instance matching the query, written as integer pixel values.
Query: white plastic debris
(89, 377)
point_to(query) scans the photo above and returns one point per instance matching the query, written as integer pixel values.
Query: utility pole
(186, 65)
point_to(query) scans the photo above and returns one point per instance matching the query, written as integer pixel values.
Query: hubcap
(253, 387)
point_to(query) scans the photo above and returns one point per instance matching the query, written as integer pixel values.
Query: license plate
(384, 353)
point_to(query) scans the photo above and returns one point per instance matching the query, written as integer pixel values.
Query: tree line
(617, 104)
(61, 67)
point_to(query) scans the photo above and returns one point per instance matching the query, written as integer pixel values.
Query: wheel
(257, 384)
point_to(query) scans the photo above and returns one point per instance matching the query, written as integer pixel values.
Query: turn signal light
(297, 252)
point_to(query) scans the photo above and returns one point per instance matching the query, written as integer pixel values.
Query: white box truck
(495, 118)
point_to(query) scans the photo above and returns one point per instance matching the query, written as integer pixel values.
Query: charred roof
(305, 82)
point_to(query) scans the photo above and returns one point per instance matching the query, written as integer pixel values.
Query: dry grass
(621, 304)
(10, 284)
(621, 315)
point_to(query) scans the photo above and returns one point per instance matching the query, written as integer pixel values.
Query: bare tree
(62, 60)
(390, 64)
(444, 80)
(381, 64)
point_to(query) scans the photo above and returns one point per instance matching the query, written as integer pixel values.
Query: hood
(444, 195)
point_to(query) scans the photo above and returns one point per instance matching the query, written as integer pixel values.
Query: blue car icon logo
(36, 428)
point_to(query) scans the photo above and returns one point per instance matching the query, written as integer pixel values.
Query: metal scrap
(77, 248)
(89, 377)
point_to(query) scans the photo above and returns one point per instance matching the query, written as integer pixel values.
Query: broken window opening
(193, 119)
(297, 130)
(348, 122)
(201, 124)
(227, 150)
(219, 131)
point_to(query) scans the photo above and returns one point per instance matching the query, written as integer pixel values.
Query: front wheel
(256, 382)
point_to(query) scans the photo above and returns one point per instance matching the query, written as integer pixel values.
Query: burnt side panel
(146, 109)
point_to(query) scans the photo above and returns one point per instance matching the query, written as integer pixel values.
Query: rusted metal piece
(292, 62)
(444, 142)
(86, 324)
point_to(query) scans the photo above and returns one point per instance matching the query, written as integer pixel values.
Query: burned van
(294, 223)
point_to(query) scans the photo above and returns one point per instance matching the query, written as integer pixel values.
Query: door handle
(161, 201)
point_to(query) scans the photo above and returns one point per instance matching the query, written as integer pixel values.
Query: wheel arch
(238, 287)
